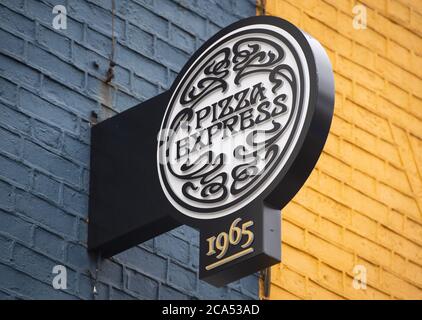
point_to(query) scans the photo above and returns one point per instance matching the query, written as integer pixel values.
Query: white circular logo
(233, 121)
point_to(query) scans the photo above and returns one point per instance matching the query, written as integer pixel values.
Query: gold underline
(228, 259)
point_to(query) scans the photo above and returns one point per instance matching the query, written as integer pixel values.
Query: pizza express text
(233, 114)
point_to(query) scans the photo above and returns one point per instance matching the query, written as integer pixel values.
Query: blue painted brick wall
(50, 82)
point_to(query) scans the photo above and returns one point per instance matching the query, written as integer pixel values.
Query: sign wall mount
(223, 150)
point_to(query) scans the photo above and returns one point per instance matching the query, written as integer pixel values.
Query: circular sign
(237, 118)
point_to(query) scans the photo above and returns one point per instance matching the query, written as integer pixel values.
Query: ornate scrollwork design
(205, 180)
(249, 56)
(209, 78)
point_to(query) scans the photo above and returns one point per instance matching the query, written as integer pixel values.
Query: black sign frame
(127, 203)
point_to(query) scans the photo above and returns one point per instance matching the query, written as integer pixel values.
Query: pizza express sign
(239, 132)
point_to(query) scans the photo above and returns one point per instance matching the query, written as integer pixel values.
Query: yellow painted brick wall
(362, 205)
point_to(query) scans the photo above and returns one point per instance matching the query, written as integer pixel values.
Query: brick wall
(50, 83)
(362, 205)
